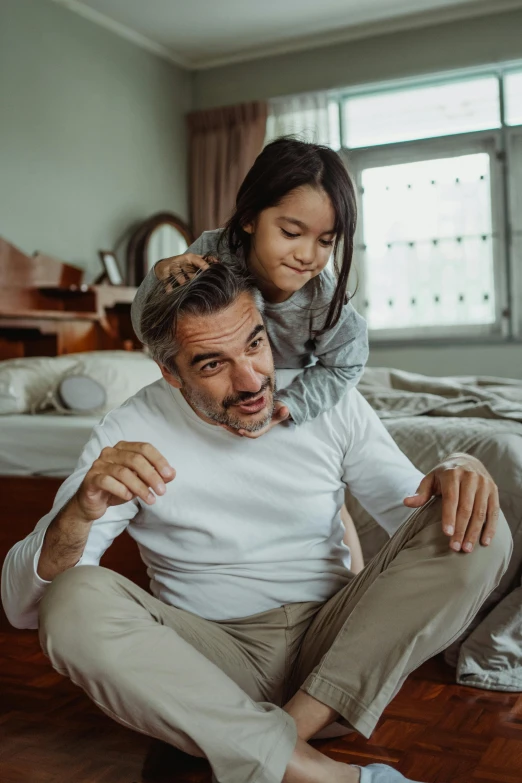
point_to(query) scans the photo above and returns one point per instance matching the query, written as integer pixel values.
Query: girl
(295, 208)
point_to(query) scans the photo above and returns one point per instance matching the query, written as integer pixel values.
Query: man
(256, 636)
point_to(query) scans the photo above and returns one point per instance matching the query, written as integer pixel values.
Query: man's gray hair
(208, 292)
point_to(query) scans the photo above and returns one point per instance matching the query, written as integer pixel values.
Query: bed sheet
(42, 445)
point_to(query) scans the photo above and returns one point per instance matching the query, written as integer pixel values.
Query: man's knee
(68, 609)
(488, 563)
(501, 547)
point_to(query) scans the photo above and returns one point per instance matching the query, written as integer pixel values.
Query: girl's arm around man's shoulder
(341, 354)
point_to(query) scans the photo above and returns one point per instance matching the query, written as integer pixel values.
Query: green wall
(459, 44)
(92, 133)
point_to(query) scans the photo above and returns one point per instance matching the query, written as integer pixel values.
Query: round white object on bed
(81, 393)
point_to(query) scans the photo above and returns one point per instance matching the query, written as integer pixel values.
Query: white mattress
(42, 445)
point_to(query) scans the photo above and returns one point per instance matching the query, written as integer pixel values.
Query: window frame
(504, 75)
(513, 133)
(489, 141)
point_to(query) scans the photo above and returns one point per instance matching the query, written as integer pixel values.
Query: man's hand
(470, 504)
(117, 476)
(120, 474)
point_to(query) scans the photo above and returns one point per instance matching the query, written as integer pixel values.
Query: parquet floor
(433, 731)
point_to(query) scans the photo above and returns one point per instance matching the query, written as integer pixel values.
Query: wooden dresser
(45, 310)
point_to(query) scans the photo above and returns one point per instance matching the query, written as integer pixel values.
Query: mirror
(164, 241)
(161, 236)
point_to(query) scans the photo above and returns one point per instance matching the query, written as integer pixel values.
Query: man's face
(225, 366)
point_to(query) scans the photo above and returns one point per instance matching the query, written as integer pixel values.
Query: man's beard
(221, 414)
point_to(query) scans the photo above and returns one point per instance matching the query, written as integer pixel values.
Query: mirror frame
(139, 241)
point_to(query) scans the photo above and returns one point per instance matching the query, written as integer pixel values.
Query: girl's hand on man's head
(180, 269)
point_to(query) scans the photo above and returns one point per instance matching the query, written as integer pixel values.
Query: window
(428, 251)
(439, 174)
(422, 112)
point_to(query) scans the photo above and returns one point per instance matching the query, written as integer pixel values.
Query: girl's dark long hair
(286, 164)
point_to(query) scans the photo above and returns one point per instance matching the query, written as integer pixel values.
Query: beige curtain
(223, 143)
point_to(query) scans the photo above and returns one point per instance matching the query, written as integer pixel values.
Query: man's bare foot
(308, 765)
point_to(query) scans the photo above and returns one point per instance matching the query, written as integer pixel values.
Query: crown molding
(415, 21)
(366, 30)
(124, 32)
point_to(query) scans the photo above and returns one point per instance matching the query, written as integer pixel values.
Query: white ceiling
(205, 33)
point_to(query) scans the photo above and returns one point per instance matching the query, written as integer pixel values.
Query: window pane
(513, 92)
(428, 255)
(420, 113)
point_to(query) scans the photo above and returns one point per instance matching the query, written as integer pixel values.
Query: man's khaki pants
(216, 689)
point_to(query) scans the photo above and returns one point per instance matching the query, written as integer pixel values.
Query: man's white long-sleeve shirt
(246, 525)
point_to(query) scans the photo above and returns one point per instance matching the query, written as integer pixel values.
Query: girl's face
(292, 242)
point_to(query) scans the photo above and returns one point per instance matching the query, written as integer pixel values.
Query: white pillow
(121, 373)
(25, 382)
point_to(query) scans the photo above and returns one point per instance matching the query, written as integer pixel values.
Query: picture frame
(112, 271)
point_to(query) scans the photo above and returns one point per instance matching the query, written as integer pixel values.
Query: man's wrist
(73, 511)
(64, 541)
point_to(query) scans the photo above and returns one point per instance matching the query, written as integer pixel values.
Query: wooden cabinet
(45, 310)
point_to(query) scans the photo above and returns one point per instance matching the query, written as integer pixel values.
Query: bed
(42, 445)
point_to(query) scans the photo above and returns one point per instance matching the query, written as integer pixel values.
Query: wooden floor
(434, 731)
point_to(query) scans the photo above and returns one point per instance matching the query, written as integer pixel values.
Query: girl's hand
(181, 268)
(281, 413)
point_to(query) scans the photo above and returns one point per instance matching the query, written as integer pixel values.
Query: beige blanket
(395, 393)
(486, 421)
